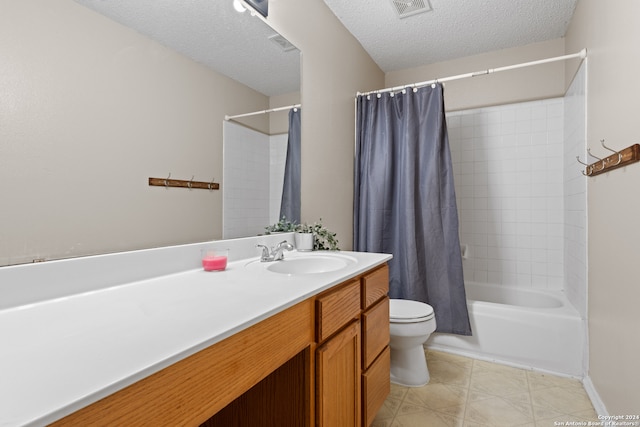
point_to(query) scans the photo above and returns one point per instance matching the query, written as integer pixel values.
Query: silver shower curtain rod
(271, 110)
(582, 54)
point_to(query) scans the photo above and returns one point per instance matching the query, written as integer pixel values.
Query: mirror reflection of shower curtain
(404, 200)
(290, 205)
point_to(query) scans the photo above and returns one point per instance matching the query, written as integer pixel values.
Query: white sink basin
(311, 263)
(308, 265)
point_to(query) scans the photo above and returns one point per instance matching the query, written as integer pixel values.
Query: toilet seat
(407, 311)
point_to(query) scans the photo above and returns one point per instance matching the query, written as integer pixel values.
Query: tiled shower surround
(509, 170)
(575, 194)
(252, 181)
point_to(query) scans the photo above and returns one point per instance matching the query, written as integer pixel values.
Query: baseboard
(597, 403)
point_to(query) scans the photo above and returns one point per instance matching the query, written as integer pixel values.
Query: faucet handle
(265, 251)
(284, 244)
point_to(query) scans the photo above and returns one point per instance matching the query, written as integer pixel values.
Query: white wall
(610, 32)
(507, 87)
(508, 173)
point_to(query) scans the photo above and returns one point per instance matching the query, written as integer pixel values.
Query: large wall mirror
(230, 38)
(100, 95)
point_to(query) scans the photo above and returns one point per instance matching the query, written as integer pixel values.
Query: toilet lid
(407, 311)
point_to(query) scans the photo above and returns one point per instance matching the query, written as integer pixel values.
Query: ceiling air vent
(284, 44)
(406, 8)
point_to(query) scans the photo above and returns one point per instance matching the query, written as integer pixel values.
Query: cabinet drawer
(376, 386)
(336, 308)
(375, 285)
(375, 331)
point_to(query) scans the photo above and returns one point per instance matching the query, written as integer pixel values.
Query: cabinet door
(338, 379)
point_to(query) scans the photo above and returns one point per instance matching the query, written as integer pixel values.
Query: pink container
(214, 259)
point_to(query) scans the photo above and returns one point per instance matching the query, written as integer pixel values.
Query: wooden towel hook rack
(616, 160)
(168, 182)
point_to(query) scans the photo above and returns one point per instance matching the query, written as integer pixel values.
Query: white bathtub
(522, 327)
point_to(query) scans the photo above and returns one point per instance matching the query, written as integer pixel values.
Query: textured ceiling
(453, 29)
(214, 34)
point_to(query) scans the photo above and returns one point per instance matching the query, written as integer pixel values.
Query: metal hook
(595, 157)
(603, 162)
(589, 168)
(613, 151)
(166, 181)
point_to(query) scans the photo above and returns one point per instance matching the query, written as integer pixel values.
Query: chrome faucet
(276, 253)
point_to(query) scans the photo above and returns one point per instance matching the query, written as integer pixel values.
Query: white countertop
(59, 355)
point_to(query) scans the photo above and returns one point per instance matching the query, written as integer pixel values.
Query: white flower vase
(304, 241)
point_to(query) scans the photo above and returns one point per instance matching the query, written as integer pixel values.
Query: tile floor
(466, 392)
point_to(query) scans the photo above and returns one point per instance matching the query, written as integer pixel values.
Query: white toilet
(411, 323)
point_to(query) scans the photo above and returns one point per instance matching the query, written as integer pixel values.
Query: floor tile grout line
(530, 397)
(466, 402)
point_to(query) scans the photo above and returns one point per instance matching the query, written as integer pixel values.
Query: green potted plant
(308, 236)
(321, 238)
(282, 226)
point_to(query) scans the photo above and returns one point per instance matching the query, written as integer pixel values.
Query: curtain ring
(211, 184)
(190, 183)
(166, 181)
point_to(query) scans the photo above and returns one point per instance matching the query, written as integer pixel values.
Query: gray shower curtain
(404, 200)
(290, 203)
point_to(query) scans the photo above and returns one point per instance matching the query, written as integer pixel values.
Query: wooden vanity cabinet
(352, 357)
(322, 362)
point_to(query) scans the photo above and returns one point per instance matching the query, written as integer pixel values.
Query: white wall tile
(575, 213)
(245, 181)
(515, 189)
